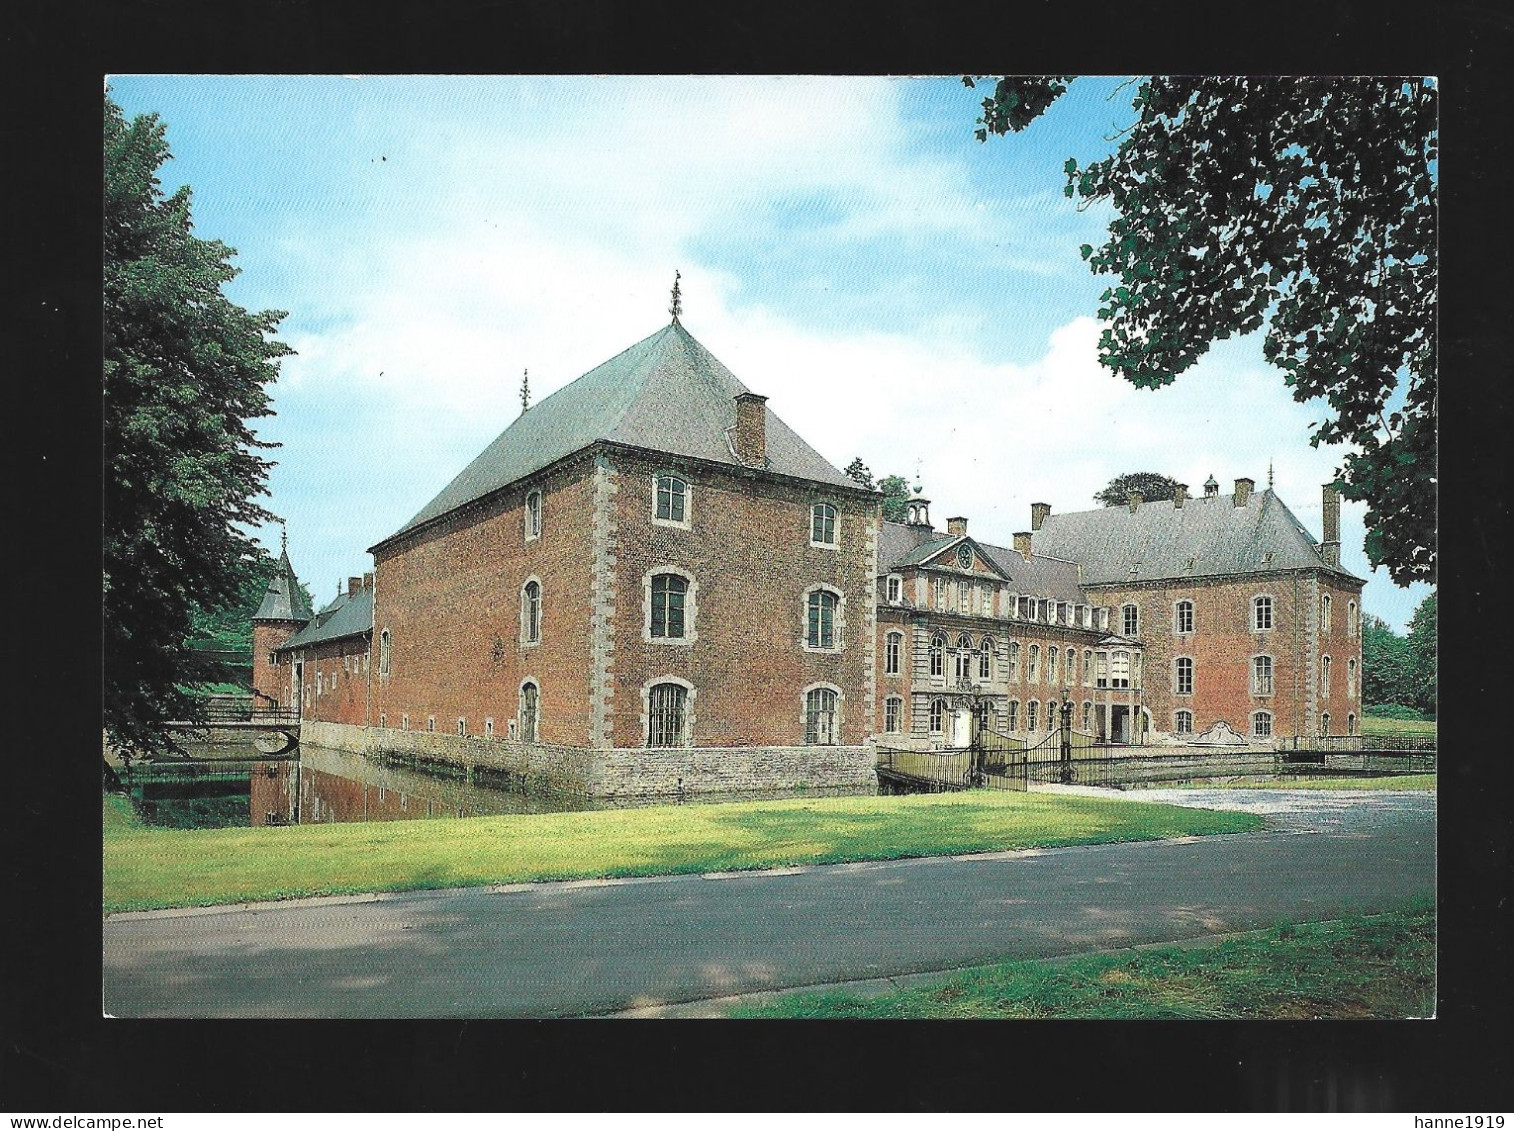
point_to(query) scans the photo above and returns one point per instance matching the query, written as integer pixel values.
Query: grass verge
(1419, 782)
(147, 868)
(1417, 728)
(1367, 966)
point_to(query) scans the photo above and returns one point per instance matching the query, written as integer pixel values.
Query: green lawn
(147, 868)
(1417, 728)
(1395, 782)
(1377, 966)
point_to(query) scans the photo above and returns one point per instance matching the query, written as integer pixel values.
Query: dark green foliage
(185, 370)
(1307, 205)
(230, 626)
(1396, 711)
(1400, 671)
(1423, 655)
(895, 489)
(1153, 486)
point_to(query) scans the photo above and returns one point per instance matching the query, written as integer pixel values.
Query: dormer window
(894, 587)
(822, 525)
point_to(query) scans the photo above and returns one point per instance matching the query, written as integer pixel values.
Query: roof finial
(1269, 475)
(283, 538)
(676, 307)
(525, 390)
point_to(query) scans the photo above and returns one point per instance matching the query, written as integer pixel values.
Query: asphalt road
(594, 947)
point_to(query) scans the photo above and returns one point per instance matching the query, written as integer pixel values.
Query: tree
(895, 489)
(185, 370)
(858, 471)
(1153, 486)
(1386, 667)
(230, 627)
(1307, 205)
(1423, 656)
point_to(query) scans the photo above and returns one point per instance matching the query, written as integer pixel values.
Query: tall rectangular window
(671, 502)
(666, 707)
(891, 709)
(669, 593)
(821, 625)
(820, 717)
(891, 653)
(1261, 675)
(1183, 681)
(1182, 617)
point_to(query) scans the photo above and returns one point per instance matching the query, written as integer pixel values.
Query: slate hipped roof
(667, 393)
(1159, 539)
(901, 545)
(284, 599)
(348, 615)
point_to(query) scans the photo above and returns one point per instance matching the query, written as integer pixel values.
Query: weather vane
(677, 305)
(525, 389)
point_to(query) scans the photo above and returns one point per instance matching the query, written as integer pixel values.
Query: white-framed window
(986, 660)
(1351, 678)
(670, 499)
(530, 612)
(1087, 716)
(964, 659)
(669, 597)
(893, 710)
(1102, 616)
(964, 596)
(1053, 664)
(385, 653)
(1071, 662)
(1261, 724)
(894, 587)
(530, 711)
(823, 525)
(347, 664)
(1261, 613)
(1033, 668)
(1182, 675)
(1324, 677)
(937, 715)
(1032, 714)
(667, 714)
(1182, 617)
(489, 728)
(365, 663)
(1353, 624)
(1027, 608)
(1119, 669)
(1182, 722)
(1324, 723)
(320, 682)
(1351, 723)
(937, 654)
(1087, 667)
(822, 720)
(822, 614)
(1261, 675)
(1130, 619)
(462, 726)
(533, 516)
(431, 724)
(404, 722)
(893, 644)
(1012, 605)
(1014, 660)
(383, 721)
(1324, 612)
(1012, 715)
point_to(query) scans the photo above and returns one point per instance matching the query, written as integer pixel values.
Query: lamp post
(1066, 734)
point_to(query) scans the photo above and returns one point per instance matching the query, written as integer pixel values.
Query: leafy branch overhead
(1304, 205)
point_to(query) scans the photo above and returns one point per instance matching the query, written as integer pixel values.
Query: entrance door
(1120, 717)
(962, 727)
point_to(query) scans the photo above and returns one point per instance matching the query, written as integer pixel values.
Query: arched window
(1032, 711)
(1182, 617)
(892, 645)
(385, 653)
(1350, 678)
(1324, 723)
(964, 659)
(1261, 613)
(1052, 719)
(533, 515)
(938, 654)
(1351, 723)
(820, 723)
(822, 525)
(985, 713)
(1324, 612)
(1072, 665)
(1034, 670)
(937, 715)
(1182, 676)
(1012, 715)
(670, 499)
(1324, 677)
(669, 595)
(1261, 675)
(667, 710)
(1261, 724)
(1130, 619)
(530, 612)
(986, 660)
(1087, 667)
(893, 709)
(1087, 717)
(529, 704)
(1182, 722)
(1014, 660)
(820, 630)
(1052, 666)
(1352, 624)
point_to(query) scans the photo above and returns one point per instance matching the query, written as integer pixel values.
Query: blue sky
(898, 290)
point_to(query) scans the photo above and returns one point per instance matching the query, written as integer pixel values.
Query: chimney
(1022, 544)
(367, 581)
(1243, 491)
(354, 586)
(956, 525)
(1330, 544)
(1039, 512)
(1135, 499)
(1179, 495)
(751, 440)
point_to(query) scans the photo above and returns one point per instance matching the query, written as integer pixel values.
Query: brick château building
(649, 583)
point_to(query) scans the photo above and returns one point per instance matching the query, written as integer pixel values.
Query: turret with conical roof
(284, 611)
